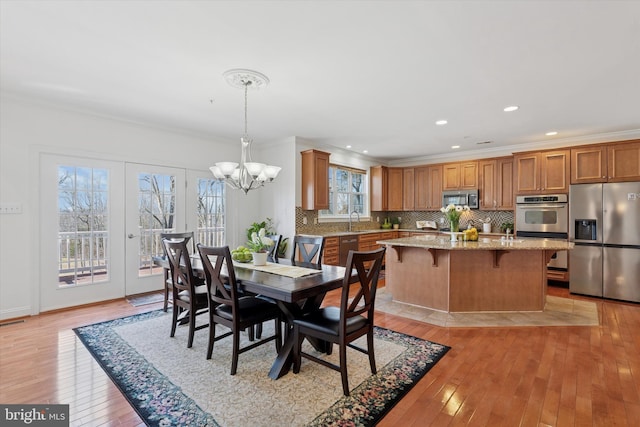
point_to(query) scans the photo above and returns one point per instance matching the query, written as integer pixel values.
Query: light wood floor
(528, 376)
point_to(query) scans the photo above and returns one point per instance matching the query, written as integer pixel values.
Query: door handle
(131, 236)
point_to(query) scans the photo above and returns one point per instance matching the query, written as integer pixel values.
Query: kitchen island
(488, 275)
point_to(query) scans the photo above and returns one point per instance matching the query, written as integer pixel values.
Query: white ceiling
(375, 75)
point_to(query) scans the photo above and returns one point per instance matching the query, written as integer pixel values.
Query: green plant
(395, 220)
(505, 225)
(267, 225)
(259, 242)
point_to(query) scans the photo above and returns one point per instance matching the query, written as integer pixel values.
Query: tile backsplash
(408, 220)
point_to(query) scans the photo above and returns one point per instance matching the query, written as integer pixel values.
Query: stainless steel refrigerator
(604, 224)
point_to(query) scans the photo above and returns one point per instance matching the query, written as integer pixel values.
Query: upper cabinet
(378, 188)
(434, 197)
(421, 188)
(543, 172)
(408, 192)
(395, 191)
(315, 180)
(496, 183)
(460, 176)
(614, 162)
(624, 161)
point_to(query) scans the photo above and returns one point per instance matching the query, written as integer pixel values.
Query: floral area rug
(169, 384)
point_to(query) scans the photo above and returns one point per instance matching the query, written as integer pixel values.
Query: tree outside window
(347, 193)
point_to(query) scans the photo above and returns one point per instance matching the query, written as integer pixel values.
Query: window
(210, 209)
(347, 193)
(83, 218)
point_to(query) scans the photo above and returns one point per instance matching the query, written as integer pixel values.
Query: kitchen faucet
(350, 215)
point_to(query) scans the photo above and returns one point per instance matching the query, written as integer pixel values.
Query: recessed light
(365, 151)
(455, 146)
(348, 146)
(441, 122)
(551, 133)
(511, 108)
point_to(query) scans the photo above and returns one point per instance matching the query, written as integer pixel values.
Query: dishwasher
(347, 243)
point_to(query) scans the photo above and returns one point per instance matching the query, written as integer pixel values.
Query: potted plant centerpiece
(396, 222)
(453, 214)
(259, 246)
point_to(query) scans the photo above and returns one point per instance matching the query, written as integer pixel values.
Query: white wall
(29, 129)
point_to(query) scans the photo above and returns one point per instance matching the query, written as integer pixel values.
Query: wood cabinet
(613, 162)
(421, 188)
(367, 242)
(542, 172)
(408, 192)
(315, 180)
(331, 251)
(395, 191)
(460, 176)
(495, 179)
(379, 188)
(623, 161)
(588, 164)
(434, 197)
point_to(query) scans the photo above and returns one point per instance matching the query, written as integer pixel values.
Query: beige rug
(557, 312)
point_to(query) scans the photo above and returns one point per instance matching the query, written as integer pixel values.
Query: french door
(81, 231)
(155, 204)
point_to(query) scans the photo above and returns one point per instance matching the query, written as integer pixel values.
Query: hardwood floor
(528, 376)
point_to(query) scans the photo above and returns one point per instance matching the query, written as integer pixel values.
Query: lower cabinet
(331, 252)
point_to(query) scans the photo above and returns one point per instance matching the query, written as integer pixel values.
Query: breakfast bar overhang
(459, 276)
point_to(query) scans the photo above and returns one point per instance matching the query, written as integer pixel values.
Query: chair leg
(372, 356)
(166, 298)
(259, 331)
(343, 368)
(297, 349)
(278, 326)
(236, 350)
(174, 321)
(192, 326)
(251, 332)
(212, 337)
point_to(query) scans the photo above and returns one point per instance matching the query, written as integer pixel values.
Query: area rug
(168, 384)
(138, 300)
(557, 312)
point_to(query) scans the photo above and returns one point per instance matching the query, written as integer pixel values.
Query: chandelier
(246, 175)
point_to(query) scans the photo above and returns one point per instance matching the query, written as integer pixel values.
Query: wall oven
(545, 217)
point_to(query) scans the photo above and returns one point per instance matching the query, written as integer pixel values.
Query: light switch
(11, 208)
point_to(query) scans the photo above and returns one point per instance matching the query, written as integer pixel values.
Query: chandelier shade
(246, 175)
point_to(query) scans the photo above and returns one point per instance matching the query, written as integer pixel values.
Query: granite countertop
(382, 230)
(483, 243)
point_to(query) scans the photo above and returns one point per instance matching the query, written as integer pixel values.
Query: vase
(259, 258)
(455, 224)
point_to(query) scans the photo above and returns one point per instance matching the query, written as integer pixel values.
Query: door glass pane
(156, 212)
(82, 225)
(211, 209)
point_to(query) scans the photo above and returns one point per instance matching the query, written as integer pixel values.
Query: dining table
(296, 287)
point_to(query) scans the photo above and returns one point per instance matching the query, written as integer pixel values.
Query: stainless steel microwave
(462, 198)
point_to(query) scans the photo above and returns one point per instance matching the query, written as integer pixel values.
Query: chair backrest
(273, 252)
(179, 265)
(220, 291)
(309, 247)
(366, 283)
(187, 236)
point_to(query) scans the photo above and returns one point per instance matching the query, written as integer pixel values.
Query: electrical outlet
(11, 208)
(304, 220)
(399, 219)
(315, 221)
(377, 219)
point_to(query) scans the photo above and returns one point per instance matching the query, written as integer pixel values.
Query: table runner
(280, 269)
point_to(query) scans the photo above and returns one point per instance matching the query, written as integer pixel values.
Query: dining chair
(168, 280)
(353, 319)
(228, 308)
(273, 252)
(189, 292)
(307, 249)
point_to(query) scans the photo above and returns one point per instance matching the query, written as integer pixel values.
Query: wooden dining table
(293, 295)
